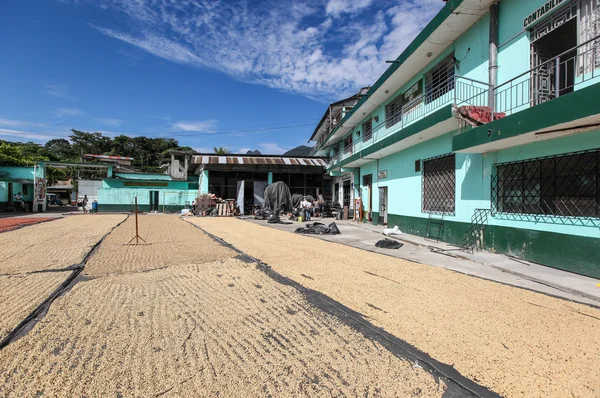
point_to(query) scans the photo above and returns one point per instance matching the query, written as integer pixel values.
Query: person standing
(84, 202)
(18, 199)
(305, 205)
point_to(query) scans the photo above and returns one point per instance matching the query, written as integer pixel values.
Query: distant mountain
(301, 150)
(255, 152)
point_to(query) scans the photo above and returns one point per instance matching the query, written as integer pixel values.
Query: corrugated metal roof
(259, 160)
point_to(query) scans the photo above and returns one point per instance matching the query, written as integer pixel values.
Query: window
(440, 80)
(439, 185)
(566, 185)
(348, 145)
(393, 112)
(367, 130)
(25, 189)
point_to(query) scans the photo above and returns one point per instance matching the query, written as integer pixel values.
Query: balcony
(472, 104)
(562, 90)
(400, 119)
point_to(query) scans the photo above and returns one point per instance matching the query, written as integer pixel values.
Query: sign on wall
(145, 184)
(543, 11)
(382, 174)
(413, 96)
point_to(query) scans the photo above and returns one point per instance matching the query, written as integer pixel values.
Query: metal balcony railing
(551, 79)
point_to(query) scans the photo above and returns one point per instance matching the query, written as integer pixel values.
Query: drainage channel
(457, 384)
(41, 310)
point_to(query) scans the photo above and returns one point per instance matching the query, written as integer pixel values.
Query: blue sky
(239, 74)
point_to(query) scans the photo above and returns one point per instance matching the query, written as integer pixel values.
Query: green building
(484, 132)
(240, 177)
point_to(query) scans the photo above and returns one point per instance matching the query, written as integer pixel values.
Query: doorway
(10, 197)
(336, 193)
(346, 189)
(383, 205)
(368, 183)
(549, 79)
(154, 203)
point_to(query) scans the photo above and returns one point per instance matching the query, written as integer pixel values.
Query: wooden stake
(137, 236)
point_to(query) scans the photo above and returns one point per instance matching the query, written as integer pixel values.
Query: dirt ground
(8, 224)
(21, 294)
(53, 245)
(516, 342)
(170, 242)
(181, 329)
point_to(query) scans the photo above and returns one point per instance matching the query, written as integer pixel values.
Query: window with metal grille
(440, 80)
(566, 185)
(439, 185)
(348, 145)
(393, 112)
(367, 130)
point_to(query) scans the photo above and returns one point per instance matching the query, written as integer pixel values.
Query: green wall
(115, 196)
(571, 253)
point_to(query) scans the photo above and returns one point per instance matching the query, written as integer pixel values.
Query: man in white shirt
(306, 206)
(19, 203)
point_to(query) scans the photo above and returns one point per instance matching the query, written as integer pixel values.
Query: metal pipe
(557, 77)
(493, 64)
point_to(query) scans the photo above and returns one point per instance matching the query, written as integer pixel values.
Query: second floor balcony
(476, 103)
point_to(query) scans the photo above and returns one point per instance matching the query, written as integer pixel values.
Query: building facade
(240, 177)
(485, 132)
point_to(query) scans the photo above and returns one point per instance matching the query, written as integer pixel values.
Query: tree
(60, 149)
(93, 143)
(20, 154)
(220, 150)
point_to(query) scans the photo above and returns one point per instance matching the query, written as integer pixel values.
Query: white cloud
(276, 44)
(203, 150)
(21, 135)
(243, 150)
(337, 7)
(272, 149)
(68, 112)
(57, 90)
(21, 123)
(110, 122)
(205, 126)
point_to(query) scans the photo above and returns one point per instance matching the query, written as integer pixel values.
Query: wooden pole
(137, 235)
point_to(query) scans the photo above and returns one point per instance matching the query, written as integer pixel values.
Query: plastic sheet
(318, 228)
(389, 244)
(278, 197)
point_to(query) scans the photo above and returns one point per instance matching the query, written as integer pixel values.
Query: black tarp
(296, 199)
(277, 197)
(389, 244)
(318, 228)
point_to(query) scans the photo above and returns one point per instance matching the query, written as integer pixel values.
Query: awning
(259, 160)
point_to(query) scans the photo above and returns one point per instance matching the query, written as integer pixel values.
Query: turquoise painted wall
(472, 52)
(404, 184)
(113, 192)
(574, 143)
(144, 176)
(16, 173)
(473, 181)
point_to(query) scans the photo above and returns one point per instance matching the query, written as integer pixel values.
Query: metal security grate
(393, 112)
(440, 80)
(439, 185)
(567, 186)
(367, 130)
(473, 238)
